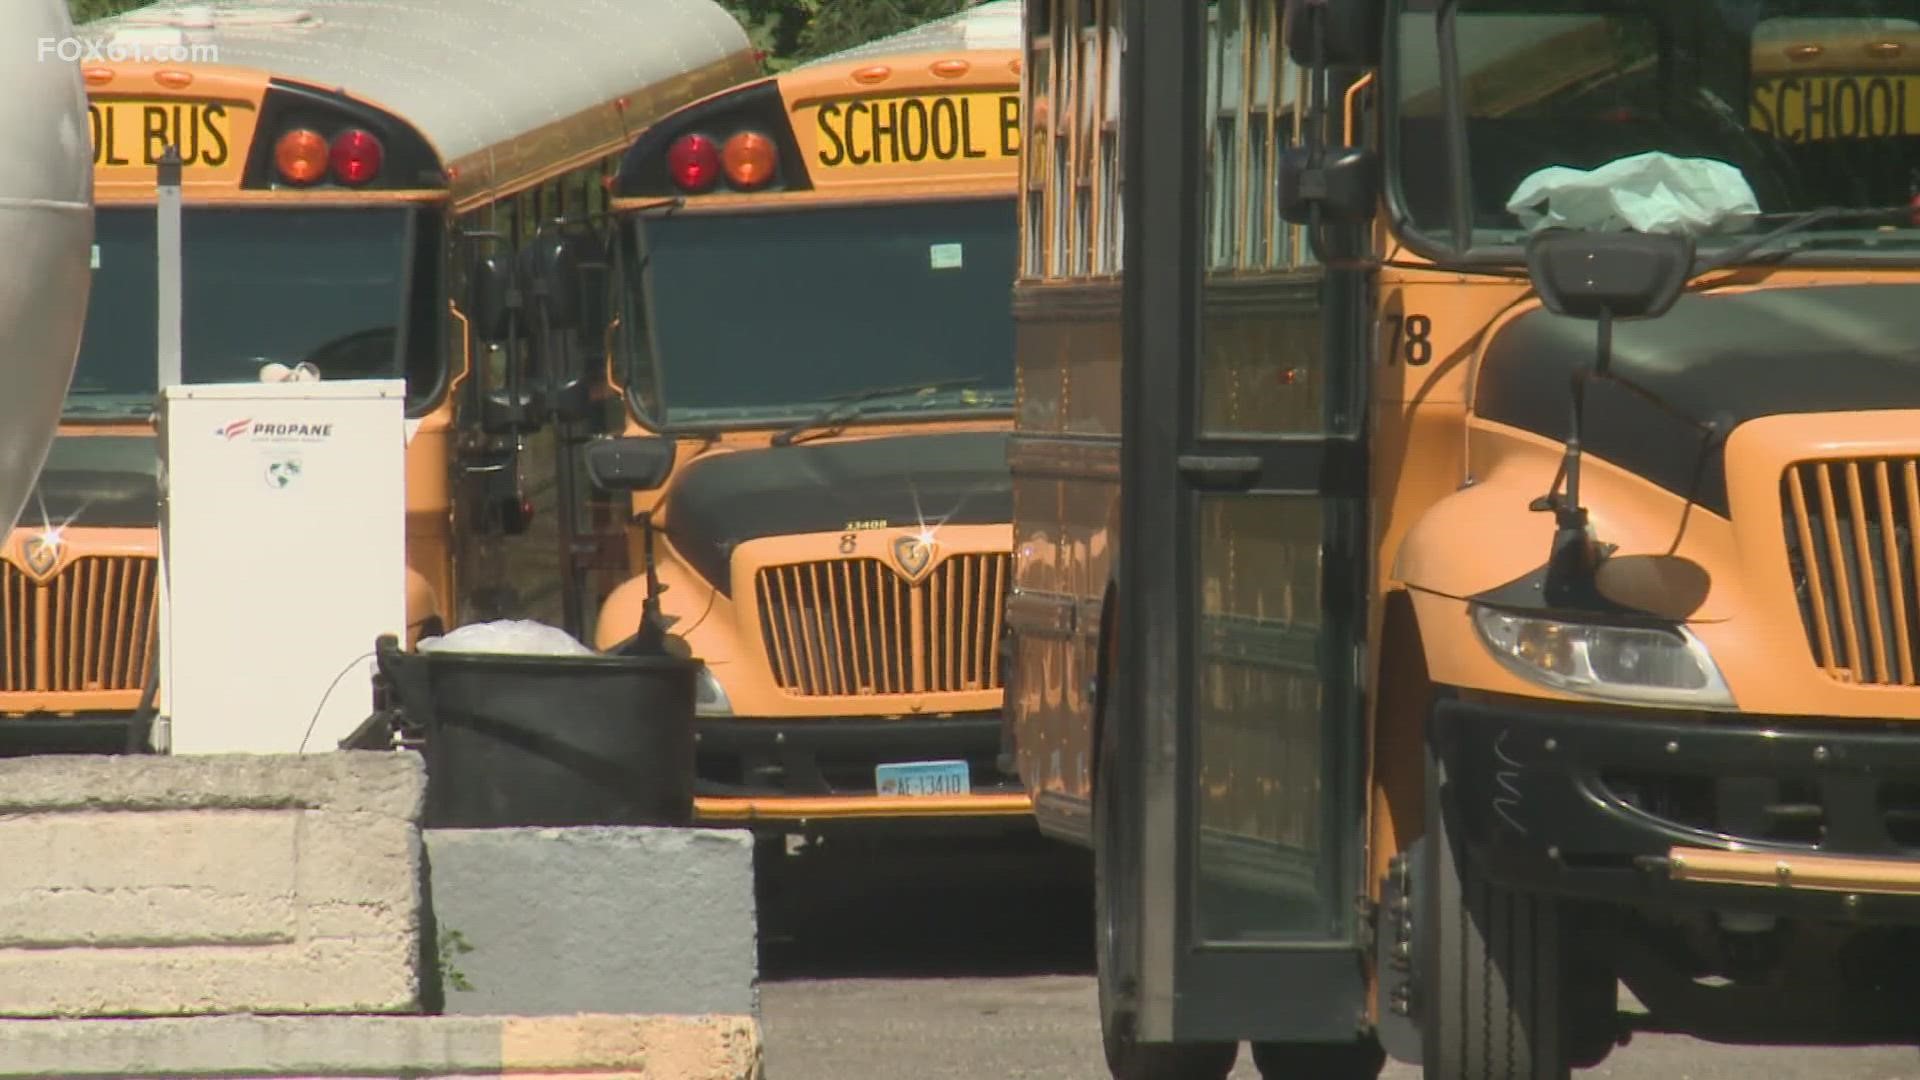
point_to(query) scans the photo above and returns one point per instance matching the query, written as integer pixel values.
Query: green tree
(788, 31)
(795, 30)
(89, 10)
(842, 24)
(772, 25)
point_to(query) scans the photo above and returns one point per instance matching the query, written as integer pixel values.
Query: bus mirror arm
(1342, 185)
(650, 638)
(503, 412)
(1320, 184)
(1602, 277)
(638, 463)
(516, 408)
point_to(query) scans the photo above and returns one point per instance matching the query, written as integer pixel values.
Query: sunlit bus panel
(344, 169)
(1466, 465)
(813, 273)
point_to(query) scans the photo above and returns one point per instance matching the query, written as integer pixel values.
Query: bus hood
(97, 481)
(1725, 357)
(721, 501)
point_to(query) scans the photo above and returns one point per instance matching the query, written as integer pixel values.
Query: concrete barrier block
(147, 886)
(626, 920)
(597, 1046)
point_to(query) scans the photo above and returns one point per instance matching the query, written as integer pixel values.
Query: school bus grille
(91, 627)
(1850, 531)
(855, 626)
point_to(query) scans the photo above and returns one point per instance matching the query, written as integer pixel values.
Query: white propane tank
(46, 234)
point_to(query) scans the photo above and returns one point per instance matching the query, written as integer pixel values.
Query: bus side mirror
(1351, 29)
(630, 463)
(1344, 185)
(1619, 275)
(503, 412)
(555, 268)
(488, 280)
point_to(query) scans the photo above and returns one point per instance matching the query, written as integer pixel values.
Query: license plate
(1822, 107)
(131, 134)
(932, 129)
(922, 778)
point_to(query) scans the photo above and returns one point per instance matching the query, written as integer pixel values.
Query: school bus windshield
(768, 316)
(1816, 104)
(258, 286)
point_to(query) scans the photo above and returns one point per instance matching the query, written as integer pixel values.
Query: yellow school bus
(1465, 531)
(346, 170)
(812, 336)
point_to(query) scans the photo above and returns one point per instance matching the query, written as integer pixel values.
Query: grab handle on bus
(1350, 129)
(1212, 470)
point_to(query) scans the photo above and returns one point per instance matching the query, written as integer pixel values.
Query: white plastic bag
(1651, 193)
(522, 637)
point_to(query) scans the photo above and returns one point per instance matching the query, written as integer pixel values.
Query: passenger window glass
(1263, 367)
(1810, 103)
(1259, 710)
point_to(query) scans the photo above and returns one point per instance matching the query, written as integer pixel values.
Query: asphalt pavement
(938, 959)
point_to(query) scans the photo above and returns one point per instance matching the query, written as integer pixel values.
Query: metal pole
(156, 717)
(167, 250)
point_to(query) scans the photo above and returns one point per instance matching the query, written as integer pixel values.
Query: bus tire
(1493, 989)
(1126, 1058)
(1359, 1060)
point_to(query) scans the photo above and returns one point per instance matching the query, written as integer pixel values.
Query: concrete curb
(597, 1046)
(634, 921)
(156, 886)
(372, 782)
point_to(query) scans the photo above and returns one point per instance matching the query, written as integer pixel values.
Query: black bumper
(1591, 805)
(86, 733)
(815, 756)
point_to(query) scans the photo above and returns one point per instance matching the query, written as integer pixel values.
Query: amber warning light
(303, 157)
(748, 161)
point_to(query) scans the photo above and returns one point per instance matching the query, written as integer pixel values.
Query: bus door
(1246, 551)
(563, 270)
(592, 525)
(536, 539)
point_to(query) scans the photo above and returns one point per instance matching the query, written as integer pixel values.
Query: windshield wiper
(1801, 222)
(845, 407)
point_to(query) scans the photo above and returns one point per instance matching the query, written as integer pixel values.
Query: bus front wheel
(1494, 982)
(1359, 1060)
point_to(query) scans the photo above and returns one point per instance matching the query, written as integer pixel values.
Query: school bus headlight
(1643, 664)
(709, 697)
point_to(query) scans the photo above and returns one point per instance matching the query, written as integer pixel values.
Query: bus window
(764, 314)
(261, 285)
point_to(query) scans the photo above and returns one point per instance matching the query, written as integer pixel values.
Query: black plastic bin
(547, 740)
